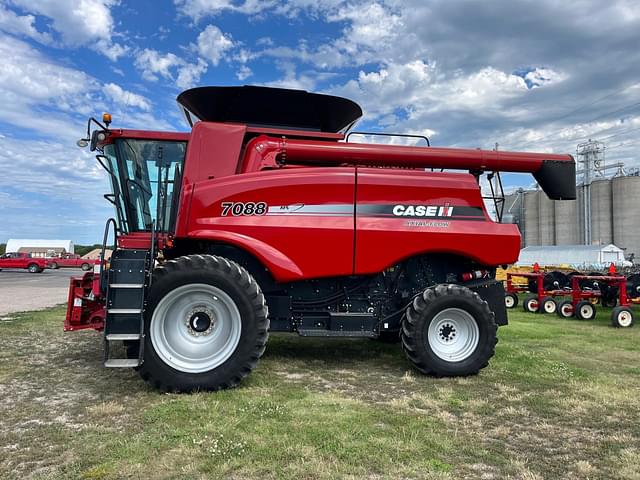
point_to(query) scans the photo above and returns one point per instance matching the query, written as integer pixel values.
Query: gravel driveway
(23, 291)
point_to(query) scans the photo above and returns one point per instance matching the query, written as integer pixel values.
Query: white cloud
(189, 74)
(43, 96)
(198, 9)
(153, 64)
(544, 76)
(293, 80)
(243, 73)
(126, 98)
(213, 43)
(80, 23)
(11, 22)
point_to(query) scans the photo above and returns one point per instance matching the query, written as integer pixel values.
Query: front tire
(206, 325)
(33, 268)
(85, 267)
(449, 331)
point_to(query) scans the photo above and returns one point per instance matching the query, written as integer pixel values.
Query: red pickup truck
(70, 260)
(22, 260)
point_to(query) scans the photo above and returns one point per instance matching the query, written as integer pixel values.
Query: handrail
(152, 254)
(104, 246)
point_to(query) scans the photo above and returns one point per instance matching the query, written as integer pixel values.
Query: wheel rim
(195, 328)
(33, 268)
(567, 310)
(532, 305)
(549, 307)
(586, 311)
(508, 301)
(453, 335)
(624, 318)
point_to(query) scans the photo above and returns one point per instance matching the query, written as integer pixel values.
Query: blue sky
(539, 76)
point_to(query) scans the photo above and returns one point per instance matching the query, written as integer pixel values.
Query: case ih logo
(422, 211)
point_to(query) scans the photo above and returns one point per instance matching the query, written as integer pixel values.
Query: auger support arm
(555, 173)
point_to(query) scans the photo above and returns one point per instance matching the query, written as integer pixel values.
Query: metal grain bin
(566, 221)
(531, 227)
(601, 213)
(626, 213)
(546, 220)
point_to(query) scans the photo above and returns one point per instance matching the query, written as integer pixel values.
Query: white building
(40, 248)
(576, 256)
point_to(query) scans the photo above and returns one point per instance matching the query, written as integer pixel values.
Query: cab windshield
(145, 180)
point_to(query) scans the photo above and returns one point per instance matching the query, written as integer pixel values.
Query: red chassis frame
(540, 291)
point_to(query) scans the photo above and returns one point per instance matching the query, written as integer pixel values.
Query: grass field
(561, 399)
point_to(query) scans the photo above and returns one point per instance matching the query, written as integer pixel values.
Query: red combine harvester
(266, 218)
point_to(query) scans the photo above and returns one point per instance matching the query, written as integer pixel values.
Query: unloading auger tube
(554, 173)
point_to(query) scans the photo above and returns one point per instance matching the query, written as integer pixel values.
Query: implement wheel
(206, 325)
(565, 309)
(449, 331)
(548, 305)
(531, 304)
(510, 300)
(622, 317)
(585, 310)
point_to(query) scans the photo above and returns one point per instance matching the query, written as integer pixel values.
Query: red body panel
(384, 241)
(293, 244)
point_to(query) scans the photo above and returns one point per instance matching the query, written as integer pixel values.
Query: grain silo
(531, 227)
(546, 220)
(626, 213)
(566, 221)
(601, 214)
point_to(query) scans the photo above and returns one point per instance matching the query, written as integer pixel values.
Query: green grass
(561, 399)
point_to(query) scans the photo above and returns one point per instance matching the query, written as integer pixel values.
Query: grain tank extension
(266, 218)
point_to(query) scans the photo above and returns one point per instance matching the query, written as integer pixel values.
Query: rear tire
(206, 325)
(53, 265)
(449, 331)
(531, 304)
(510, 300)
(622, 317)
(548, 305)
(85, 267)
(585, 310)
(565, 309)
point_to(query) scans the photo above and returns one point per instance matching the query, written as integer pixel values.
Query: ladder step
(126, 285)
(122, 363)
(124, 311)
(112, 337)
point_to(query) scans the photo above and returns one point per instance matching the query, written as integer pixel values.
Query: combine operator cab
(265, 218)
(145, 176)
